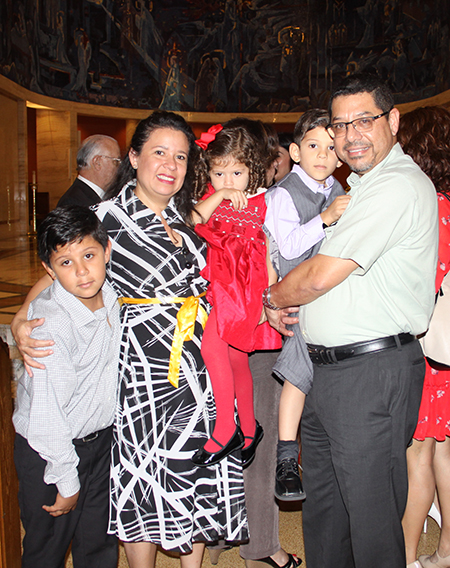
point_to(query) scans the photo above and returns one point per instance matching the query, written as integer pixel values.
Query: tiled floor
(20, 268)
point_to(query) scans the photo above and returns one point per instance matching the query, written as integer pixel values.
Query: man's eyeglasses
(362, 125)
(117, 161)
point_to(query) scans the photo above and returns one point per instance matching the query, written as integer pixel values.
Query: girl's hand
(29, 347)
(237, 198)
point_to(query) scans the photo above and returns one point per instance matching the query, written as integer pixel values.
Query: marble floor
(20, 268)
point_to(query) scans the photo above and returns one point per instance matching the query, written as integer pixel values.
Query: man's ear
(96, 162)
(49, 270)
(294, 152)
(394, 121)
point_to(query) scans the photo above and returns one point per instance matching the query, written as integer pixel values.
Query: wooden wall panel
(114, 127)
(9, 507)
(54, 153)
(13, 216)
(130, 128)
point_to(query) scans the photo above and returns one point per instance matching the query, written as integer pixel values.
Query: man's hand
(28, 346)
(62, 505)
(279, 319)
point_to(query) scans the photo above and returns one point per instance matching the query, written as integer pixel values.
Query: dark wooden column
(9, 506)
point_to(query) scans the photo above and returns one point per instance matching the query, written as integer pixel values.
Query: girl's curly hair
(424, 134)
(231, 143)
(265, 136)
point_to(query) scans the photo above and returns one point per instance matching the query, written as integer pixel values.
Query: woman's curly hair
(231, 143)
(424, 134)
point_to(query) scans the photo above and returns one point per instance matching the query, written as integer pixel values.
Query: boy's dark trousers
(47, 538)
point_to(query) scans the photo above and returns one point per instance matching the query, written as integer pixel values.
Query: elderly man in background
(97, 162)
(365, 297)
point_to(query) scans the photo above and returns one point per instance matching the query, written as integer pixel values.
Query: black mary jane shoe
(248, 453)
(202, 458)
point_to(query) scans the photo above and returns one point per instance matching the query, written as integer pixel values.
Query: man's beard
(359, 169)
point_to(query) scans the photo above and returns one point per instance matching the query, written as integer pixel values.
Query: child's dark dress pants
(47, 538)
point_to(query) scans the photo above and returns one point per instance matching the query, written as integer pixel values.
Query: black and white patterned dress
(158, 495)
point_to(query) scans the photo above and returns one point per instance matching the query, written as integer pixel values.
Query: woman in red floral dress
(425, 135)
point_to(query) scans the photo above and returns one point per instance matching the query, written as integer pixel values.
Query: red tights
(230, 378)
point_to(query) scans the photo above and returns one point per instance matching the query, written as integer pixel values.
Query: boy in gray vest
(299, 209)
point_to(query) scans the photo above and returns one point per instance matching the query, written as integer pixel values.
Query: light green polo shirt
(390, 229)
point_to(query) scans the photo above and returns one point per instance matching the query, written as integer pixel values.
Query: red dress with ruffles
(237, 271)
(434, 413)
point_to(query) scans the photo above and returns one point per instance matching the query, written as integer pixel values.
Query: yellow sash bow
(184, 330)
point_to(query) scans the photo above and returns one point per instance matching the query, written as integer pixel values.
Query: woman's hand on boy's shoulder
(30, 348)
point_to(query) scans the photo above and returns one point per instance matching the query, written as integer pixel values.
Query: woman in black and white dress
(164, 414)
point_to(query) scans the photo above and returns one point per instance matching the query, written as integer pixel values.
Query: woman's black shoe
(293, 562)
(202, 458)
(248, 454)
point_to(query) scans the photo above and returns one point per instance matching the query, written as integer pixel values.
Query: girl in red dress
(425, 135)
(230, 216)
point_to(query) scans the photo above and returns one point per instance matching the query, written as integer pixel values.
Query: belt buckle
(321, 356)
(325, 356)
(90, 437)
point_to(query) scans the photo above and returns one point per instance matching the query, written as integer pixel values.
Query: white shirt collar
(98, 190)
(311, 183)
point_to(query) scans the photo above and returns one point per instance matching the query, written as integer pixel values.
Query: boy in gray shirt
(64, 413)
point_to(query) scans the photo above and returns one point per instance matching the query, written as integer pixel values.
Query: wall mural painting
(222, 55)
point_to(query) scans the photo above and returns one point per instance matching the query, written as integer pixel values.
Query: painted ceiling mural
(222, 55)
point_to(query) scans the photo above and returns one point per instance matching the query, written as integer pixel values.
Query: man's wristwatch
(266, 300)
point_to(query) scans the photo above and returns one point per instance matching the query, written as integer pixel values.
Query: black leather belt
(321, 355)
(90, 437)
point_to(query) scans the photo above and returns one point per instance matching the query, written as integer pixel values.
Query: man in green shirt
(364, 298)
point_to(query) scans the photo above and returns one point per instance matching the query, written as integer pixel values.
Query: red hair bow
(208, 136)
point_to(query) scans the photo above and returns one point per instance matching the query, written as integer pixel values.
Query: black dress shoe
(202, 458)
(248, 454)
(288, 485)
